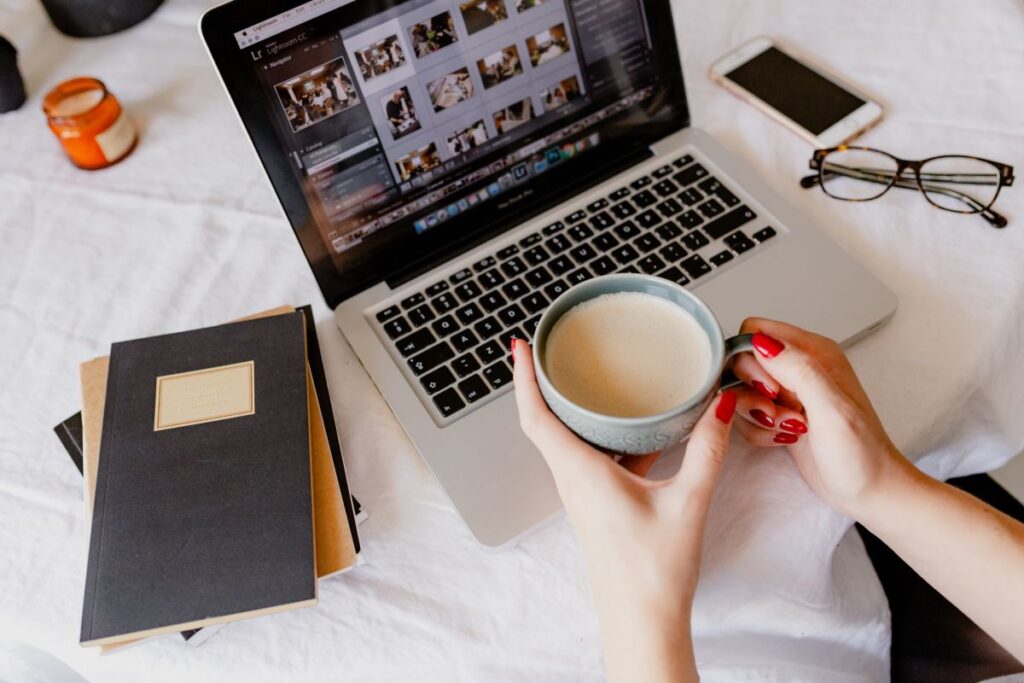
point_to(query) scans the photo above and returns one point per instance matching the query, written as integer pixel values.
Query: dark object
(933, 641)
(227, 503)
(70, 434)
(12, 89)
(91, 18)
(952, 182)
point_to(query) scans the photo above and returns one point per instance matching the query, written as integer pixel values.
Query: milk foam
(627, 354)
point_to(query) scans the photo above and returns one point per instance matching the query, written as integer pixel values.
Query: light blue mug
(650, 433)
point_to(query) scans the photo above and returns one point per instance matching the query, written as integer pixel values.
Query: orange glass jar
(89, 122)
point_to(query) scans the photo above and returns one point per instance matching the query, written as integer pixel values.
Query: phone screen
(809, 99)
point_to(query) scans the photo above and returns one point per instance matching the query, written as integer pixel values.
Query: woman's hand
(806, 395)
(642, 539)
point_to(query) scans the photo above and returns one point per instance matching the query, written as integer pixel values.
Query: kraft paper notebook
(203, 505)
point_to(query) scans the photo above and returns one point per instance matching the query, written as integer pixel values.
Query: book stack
(213, 477)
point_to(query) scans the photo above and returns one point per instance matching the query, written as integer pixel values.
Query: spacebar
(723, 225)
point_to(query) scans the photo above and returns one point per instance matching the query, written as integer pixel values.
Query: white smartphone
(816, 105)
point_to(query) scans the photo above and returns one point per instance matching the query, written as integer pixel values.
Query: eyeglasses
(957, 183)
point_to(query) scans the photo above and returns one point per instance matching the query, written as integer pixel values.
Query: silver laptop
(449, 168)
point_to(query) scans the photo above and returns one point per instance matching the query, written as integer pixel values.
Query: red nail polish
(768, 347)
(512, 349)
(786, 438)
(765, 389)
(726, 406)
(795, 426)
(762, 417)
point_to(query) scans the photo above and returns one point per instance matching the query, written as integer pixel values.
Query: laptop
(450, 167)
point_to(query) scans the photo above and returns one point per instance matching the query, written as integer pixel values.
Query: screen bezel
(217, 28)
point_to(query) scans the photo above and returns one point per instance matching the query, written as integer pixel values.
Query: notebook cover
(203, 510)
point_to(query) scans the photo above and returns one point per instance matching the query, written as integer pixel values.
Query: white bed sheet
(187, 233)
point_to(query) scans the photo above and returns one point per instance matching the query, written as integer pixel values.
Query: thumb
(708, 445)
(788, 355)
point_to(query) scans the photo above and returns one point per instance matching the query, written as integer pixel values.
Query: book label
(208, 395)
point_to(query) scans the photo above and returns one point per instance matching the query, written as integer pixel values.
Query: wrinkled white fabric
(186, 232)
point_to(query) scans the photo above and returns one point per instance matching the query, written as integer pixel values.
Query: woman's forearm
(967, 550)
(647, 648)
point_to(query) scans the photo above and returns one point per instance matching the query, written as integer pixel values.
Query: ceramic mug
(649, 433)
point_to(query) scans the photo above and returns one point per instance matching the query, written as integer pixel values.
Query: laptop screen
(412, 127)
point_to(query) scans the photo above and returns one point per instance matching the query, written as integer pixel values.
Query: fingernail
(768, 347)
(786, 438)
(512, 349)
(726, 406)
(795, 426)
(765, 389)
(762, 417)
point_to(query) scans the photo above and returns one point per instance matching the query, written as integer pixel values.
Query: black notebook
(203, 510)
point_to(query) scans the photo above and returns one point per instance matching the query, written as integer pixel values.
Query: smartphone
(813, 103)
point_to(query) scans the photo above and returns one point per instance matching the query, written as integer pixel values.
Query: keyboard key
(670, 207)
(530, 326)
(555, 289)
(492, 278)
(511, 315)
(764, 234)
(491, 351)
(727, 198)
(725, 224)
(690, 175)
(431, 358)
(460, 276)
(492, 301)
(627, 230)
(387, 314)
(538, 276)
(672, 252)
(690, 197)
(463, 340)
(561, 265)
(695, 266)
(444, 303)
(468, 291)
(436, 288)
(413, 301)
(465, 365)
(513, 267)
(629, 269)
(514, 289)
(619, 193)
(508, 251)
(662, 171)
(683, 161)
(651, 264)
(415, 342)
(473, 388)
(625, 254)
(646, 242)
(437, 380)
(535, 303)
(449, 402)
(648, 219)
(690, 220)
(673, 274)
(583, 253)
(580, 232)
(605, 242)
(739, 242)
(557, 226)
(597, 205)
(421, 314)
(642, 181)
(695, 241)
(575, 216)
(578, 276)
(505, 340)
(484, 264)
(602, 266)
(497, 375)
(469, 314)
(665, 188)
(721, 258)
(710, 185)
(536, 256)
(644, 199)
(668, 231)
(711, 208)
(397, 327)
(488, 327)
(623, 210)
(558, 244)
(444, 326)
(530, 240)
(602, 221)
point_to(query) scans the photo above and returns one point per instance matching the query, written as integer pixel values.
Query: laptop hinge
(584, 183)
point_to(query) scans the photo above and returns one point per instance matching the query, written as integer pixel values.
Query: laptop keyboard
(678, 222)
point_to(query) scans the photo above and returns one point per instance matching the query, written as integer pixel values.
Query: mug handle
(740, 343)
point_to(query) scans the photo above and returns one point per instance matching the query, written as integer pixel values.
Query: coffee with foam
(628, 354)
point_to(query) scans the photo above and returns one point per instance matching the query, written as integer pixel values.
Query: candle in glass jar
(89, 122)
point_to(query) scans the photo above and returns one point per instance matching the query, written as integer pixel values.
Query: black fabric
(12, 88)
(933, 641)
(91, 18)
(206, 520)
